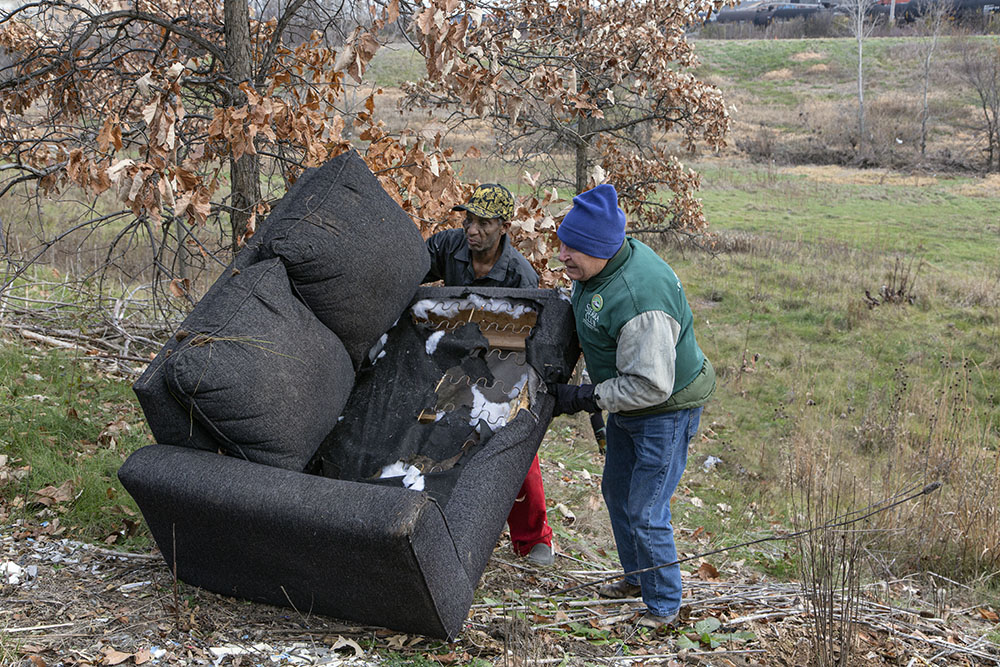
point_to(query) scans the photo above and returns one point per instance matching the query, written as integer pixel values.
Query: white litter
(412, 478)
(566, 512)
(222, 651)
(432, 341)
(11, 573)
(711, 462)
(137, 584)
(378, 349)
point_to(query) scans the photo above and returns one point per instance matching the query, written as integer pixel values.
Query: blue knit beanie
(595, 225)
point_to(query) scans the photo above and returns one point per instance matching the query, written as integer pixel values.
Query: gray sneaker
(618, 589)
(541, 554)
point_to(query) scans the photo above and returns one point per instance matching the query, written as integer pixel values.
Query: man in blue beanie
(635, 328)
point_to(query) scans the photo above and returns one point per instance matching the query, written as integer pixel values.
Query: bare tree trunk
(861, 88)
(892, 13)
(585, 127)
(935, 21)
(859, 13)
(244, 173)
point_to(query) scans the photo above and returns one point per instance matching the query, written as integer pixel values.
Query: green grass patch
(394, 65)
(66, 430)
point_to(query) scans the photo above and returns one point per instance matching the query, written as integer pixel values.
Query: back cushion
(259, 371)
(353, 255)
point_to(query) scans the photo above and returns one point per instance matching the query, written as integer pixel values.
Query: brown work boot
(651, 620)
(618, 589)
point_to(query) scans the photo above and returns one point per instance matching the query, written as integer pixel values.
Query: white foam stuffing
(495, 414)
(449, 308)
(432, 341)
(412, 478)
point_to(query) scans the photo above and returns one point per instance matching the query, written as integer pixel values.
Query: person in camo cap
(636, 331)
(480, 254)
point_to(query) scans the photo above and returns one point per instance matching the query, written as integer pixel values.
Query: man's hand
(572, 398)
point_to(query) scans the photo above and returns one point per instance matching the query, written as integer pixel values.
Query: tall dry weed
(938, 431)
(832, 556)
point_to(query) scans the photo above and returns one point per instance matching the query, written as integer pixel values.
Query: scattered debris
(710, 462)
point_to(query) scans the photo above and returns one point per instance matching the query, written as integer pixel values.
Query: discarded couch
(335, 438)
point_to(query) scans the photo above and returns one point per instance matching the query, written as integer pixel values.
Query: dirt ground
(68, 603)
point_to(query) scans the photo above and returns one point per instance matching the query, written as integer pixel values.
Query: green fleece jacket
(635, 328)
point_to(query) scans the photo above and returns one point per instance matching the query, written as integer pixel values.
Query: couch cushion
(258, 371)
(353, 255)
(170, 421)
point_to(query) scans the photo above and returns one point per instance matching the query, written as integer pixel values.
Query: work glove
(572, 398)
(600, 431)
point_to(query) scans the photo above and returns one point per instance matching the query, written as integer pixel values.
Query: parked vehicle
(762, 13)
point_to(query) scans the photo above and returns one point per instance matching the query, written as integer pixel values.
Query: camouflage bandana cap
(490, 201)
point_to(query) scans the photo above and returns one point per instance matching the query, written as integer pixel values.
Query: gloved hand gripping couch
(334, 438)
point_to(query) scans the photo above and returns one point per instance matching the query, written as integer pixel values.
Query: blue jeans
(644, 461)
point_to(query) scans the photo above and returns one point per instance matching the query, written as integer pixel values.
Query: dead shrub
(882, 426)
(760, 145)
(898, 286)
(893, 126)
(741, 243)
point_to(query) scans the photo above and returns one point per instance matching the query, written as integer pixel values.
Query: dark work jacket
(451, 262)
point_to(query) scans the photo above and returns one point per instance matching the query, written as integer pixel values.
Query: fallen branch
(48, 340)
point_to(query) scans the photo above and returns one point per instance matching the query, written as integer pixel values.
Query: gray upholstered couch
(301, 373)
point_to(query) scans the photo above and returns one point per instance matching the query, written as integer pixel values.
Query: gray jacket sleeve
(647, 350)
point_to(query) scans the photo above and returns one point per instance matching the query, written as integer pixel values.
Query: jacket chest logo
(592, 313)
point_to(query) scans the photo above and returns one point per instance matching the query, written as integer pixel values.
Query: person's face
(580, 266)
(483, 234)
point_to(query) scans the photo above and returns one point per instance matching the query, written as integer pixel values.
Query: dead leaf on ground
(348, 643)
(113, 657)
(50, 495)
(112, 433)
(707, 572)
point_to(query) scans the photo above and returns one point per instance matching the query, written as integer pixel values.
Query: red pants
(527, 520)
